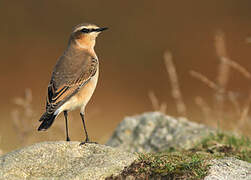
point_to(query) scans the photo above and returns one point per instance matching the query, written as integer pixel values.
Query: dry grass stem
(220, 44)
(233, 99)
(205, 80)
(1, 151)
(154, 100)
(23, 116)
(248, 40)
(223, 73)
(245, 111)
(236, 66)
(206, 110)
(163, 108)
(25, 103)
(155, 103)
(176, 93)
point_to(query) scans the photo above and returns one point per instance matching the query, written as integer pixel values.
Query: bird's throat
(85, 42)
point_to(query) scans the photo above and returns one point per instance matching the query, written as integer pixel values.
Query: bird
(74, 78)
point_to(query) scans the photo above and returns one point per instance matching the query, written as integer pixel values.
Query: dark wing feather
(67, 79)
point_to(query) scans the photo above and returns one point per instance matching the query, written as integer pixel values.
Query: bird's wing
(65, 85)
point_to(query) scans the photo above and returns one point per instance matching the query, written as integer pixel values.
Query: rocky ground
(151, 145)
(229, 168)
(64, 160)
(154, 132)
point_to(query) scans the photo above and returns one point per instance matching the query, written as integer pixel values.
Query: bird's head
(84, 35)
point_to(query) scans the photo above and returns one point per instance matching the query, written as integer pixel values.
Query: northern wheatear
(74, 77)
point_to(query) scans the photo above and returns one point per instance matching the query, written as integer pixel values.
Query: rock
(64, 160)
(153, 132)
(229, 169)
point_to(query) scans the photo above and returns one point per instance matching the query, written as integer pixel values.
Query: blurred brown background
(34, 34)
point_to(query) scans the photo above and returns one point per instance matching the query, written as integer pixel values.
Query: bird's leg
(66, 126)
(87, 140)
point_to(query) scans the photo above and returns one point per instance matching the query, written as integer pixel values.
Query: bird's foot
(87, 141)
(68, 139)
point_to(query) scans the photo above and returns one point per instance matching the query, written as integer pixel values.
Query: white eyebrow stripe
(87, 27)
(79, 28)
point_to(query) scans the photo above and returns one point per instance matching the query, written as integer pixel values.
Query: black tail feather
(47, 120)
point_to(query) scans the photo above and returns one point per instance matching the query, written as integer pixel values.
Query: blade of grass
(175, 87)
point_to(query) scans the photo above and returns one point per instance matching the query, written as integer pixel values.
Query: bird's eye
(84, 30)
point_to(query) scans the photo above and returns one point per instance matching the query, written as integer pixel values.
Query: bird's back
(70, 73)
(70, 68)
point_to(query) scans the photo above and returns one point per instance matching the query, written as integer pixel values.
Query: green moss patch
(193, 163)
(226, 145)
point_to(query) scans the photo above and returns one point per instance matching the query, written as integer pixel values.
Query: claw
(87, 141)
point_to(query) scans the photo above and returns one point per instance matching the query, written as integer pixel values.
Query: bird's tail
(47, 120)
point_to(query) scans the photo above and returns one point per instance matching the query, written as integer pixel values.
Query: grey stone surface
(63, 160)
(229, 169)
(152, 132)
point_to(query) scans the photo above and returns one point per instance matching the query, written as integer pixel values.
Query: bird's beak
(101, 29)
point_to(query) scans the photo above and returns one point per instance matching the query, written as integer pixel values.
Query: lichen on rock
(154, 131)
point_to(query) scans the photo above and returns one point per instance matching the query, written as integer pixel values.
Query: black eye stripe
(85, 30)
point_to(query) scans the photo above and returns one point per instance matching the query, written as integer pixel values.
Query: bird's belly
(85, 94)
(82, 97)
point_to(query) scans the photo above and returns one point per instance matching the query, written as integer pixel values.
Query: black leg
(87, 140)
(66, 126)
